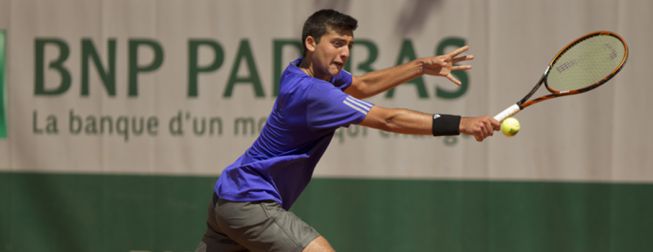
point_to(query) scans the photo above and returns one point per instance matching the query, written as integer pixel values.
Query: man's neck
(307, 67)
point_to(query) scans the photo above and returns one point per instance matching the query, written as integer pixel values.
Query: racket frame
(524, 102)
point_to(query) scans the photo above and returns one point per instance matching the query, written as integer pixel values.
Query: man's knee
(319, 244)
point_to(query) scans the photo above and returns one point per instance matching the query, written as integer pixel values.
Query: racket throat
(535, 88)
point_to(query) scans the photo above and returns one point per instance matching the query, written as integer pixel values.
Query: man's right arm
(417, 123)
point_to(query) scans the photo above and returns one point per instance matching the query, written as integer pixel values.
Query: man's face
(331, 53)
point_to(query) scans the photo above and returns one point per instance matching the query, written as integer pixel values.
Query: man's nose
(345, 52)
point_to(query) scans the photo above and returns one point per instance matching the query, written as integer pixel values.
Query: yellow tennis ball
(510, 126)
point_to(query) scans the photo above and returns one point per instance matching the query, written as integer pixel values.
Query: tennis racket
(583, 65)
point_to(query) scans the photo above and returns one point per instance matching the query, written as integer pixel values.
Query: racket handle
(507, 112)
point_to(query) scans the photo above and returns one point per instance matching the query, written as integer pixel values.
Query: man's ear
(310, 43)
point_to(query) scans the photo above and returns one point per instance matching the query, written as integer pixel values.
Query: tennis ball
(510, 126)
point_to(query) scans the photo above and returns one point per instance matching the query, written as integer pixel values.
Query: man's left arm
(373, 83)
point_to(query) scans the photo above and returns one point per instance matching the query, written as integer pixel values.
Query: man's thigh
(214, 240)
(263, 226)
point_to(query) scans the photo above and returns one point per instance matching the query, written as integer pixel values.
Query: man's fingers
(453, 79)
(463, 67)
(496, 125)
(458, 51)
(488, 128)
(462, 58)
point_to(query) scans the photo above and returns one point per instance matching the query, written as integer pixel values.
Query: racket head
(586, 63)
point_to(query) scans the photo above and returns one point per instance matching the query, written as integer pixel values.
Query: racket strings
(586, 63)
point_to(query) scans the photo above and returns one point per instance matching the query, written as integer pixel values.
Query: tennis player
(252, 196)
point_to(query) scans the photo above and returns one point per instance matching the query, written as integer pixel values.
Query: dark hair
(316, 25)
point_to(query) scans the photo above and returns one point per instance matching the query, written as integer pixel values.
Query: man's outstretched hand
(443, 65)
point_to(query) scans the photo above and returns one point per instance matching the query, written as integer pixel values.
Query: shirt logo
(358, 105)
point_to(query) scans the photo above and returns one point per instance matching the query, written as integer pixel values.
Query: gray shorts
(254, 226)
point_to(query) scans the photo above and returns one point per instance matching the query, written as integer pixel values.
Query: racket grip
(507, 112)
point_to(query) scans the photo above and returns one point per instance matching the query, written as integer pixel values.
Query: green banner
(3, 121)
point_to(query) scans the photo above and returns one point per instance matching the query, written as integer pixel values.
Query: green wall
(83, 212)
